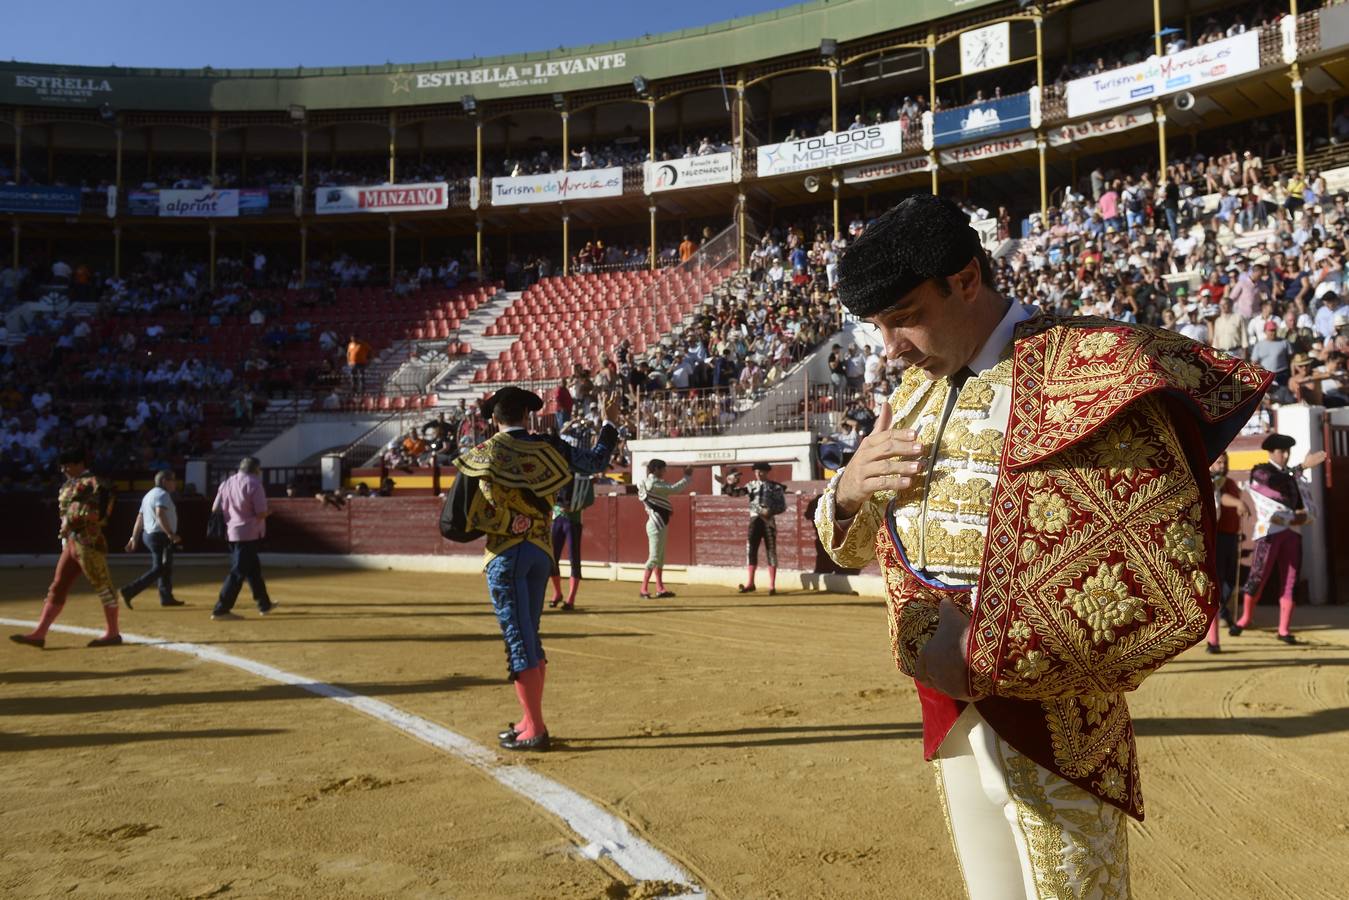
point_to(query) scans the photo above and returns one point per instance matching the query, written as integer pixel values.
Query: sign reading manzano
(384, 198)
(692, 171)
(1161, 75)
(586, 184)
(510, 75)
(833, 148)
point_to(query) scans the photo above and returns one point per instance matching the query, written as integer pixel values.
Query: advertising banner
(957, 126)
(205, 203)
(892, 168)
(197, 204)
(1081, 131)
(586, 184)
(833, 148)
(382, 198)
(26, 199)
(988, 149)
(1158, 76)
(693, 171)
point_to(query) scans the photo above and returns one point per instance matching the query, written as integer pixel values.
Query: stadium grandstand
(330, 269)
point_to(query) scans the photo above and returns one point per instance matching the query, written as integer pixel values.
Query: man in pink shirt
(243, 501)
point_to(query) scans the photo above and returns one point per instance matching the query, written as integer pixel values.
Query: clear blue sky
(286, 33)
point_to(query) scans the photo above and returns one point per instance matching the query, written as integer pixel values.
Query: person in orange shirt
(687, 249)
(358, 357)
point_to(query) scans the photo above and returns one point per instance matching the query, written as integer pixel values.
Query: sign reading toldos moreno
(539, 74)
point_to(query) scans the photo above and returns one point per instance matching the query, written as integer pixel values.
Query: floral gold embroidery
(1048, 512)
(1060, 411)
(1183, 543)
(1124, 447)
(1032, 665)
(1104, 603)
(1185, 372)
(1098, 343)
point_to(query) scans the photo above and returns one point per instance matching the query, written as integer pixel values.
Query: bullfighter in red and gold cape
(1036, 494)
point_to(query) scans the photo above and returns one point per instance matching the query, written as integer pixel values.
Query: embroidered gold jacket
(1098, 565)
(517, 481)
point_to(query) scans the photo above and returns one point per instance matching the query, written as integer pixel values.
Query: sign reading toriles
(833, 148)
(384, 198)
(512, 75)
(586, 184)
(692, 171)
(1158, 76)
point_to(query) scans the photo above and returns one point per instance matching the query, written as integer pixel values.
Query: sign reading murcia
(691, 171)
(833, 148)
(587, 184)
(384, 198)
(63, 88)
(1081, 131)
(519, 74)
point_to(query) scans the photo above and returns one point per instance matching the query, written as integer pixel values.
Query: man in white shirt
(874, 366)
(157, 524)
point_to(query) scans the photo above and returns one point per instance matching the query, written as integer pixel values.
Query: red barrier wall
(705, 530)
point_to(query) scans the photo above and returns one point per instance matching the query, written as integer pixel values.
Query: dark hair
(653, 464)
(510, 408)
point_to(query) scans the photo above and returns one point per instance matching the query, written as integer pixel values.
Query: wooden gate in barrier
(1337, 510)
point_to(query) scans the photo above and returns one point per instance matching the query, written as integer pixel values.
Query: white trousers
(1021, 832)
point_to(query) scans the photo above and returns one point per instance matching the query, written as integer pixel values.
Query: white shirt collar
(991, 353)
(513, 429)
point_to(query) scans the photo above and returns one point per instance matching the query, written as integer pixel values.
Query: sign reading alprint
(833, 148)
(587, 184)
(692, 171)
(384, 198)
(521, 74)
(204, 203)
(1158, 76)
(55, 200)
(891, 168)
(956, 126)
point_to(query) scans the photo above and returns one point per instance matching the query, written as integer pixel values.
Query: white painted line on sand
(601, 833)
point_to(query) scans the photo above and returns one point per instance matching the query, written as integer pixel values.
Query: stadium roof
(725, 44)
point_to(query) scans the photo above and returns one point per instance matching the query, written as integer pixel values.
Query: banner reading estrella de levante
(383, 198)
(691, 171)
(834, 148)
(585, 184)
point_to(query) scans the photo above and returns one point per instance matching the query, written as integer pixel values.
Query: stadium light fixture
(828, 48)
(107, 113)
(469, 103)
(559, 101)
(639, 85)
(297, 112)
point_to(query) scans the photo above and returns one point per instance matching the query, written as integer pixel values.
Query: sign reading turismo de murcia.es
(833, 148)
(518, 74)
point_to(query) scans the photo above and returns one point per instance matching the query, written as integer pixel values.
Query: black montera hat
(761, 467)
(511, 394)
(1278, 442)
(923, 237)
(72, 455)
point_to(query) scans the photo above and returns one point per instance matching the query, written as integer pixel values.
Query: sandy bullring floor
(766, 745)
